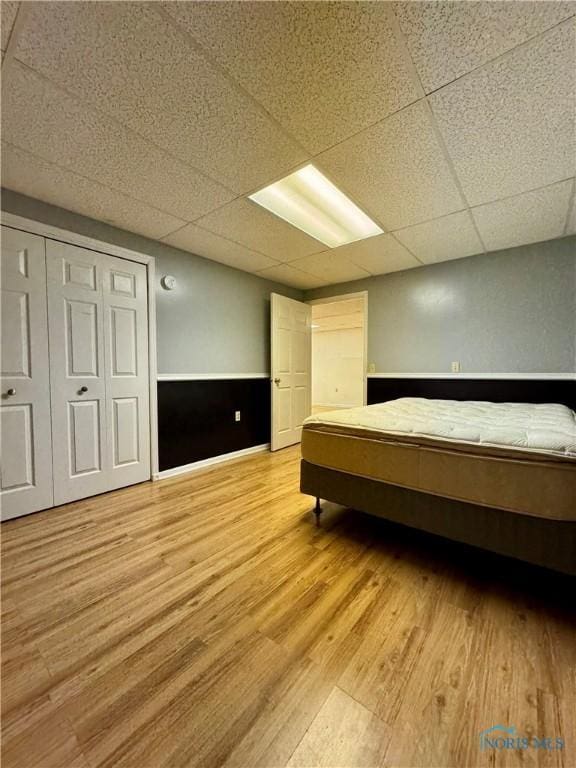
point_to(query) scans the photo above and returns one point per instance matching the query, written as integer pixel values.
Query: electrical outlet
(371, 367)
(237, 415)
(456, 367)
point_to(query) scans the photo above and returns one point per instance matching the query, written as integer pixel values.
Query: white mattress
(547, 428)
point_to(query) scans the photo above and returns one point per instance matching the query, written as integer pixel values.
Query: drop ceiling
(452, 125)
(341, 315)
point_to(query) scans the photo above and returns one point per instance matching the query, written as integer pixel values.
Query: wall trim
(196, 465)
(339, 297)
(209, 376)
(73, 238)
(502, 376)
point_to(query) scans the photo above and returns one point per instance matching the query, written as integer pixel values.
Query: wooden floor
(205, 621)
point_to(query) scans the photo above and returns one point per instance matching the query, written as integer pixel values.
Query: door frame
(343, 297)
(101, 246)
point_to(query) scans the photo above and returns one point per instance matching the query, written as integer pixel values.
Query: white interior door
(26, 463)
(97, 307)
(126, 364)
(291, 369)
(78, 382)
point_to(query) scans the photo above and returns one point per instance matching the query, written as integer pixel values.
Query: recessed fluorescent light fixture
(308, 200)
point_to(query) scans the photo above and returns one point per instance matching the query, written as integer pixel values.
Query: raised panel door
(25, 435)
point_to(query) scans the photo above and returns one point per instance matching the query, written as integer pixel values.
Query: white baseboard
(196, 465)
(503, 376)
(209, 376)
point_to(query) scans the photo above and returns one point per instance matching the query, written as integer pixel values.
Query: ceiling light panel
(309, 201)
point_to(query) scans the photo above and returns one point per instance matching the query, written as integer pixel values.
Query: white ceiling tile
(527, 218)
(42, 119)
(331, 266)
(45, 181)
(396, 169)
(187, 76)
(325, 70)
(8, 10)
(451, 237)
(258, 229)
(339, 308)
(378, 255)
(510, 126)
(449, 39)
(139, 68)
(203, 243)
(288, 275)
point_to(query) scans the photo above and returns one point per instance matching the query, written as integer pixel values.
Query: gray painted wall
(505, 312)
(217, 320)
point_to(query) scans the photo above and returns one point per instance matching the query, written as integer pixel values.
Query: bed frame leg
(317, 511)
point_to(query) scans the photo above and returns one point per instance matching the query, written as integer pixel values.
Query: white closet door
(26, 464)
(99, 364)
(127, 379)
(78, 380)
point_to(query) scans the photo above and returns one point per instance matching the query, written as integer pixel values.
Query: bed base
(541, 541)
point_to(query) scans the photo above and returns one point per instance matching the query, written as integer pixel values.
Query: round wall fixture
(168, 282)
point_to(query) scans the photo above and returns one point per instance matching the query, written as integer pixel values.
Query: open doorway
(339, 352)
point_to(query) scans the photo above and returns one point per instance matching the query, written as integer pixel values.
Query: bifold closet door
(98, 330)
(125, 292)
(26, 465)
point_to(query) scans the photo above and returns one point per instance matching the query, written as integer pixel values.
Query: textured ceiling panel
(8, 10)
(451, 237)
(527, 218)
(510, 126)
(199, 241)
(331, 266)
(449, 39)
(154, 115)
(396, 169)
(339, 308)
(137, 67)
(284, 273)
(325, 70)
(340, 319)
(47, 182)
(253, 226)
(42, 119)
(378, 255)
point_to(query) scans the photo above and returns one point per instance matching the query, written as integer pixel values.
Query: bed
(501, 476)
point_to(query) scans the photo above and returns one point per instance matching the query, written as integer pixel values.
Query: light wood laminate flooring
(205, 621)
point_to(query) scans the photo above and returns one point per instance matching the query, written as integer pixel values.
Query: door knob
(83, 389)
(11, 391)
(276, 381)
